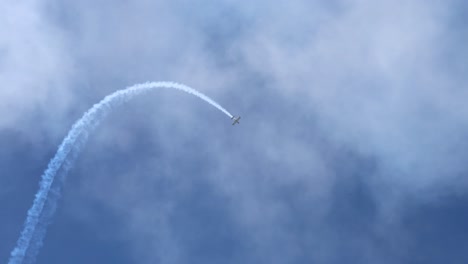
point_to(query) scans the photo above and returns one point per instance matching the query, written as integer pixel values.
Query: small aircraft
(236, 119)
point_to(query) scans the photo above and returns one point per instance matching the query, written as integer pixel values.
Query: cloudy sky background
(352, 146)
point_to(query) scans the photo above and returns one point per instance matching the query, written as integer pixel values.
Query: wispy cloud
(35, 66)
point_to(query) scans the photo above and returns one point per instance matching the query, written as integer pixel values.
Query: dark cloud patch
(435, 229)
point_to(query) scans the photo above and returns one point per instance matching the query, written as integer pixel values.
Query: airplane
(236, 120)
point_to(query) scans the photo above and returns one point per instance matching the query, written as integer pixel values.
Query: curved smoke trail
(43, 208)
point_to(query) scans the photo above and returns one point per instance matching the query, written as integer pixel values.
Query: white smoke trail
(40, 214)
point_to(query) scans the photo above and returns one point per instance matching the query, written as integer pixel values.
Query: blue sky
(352, 145)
